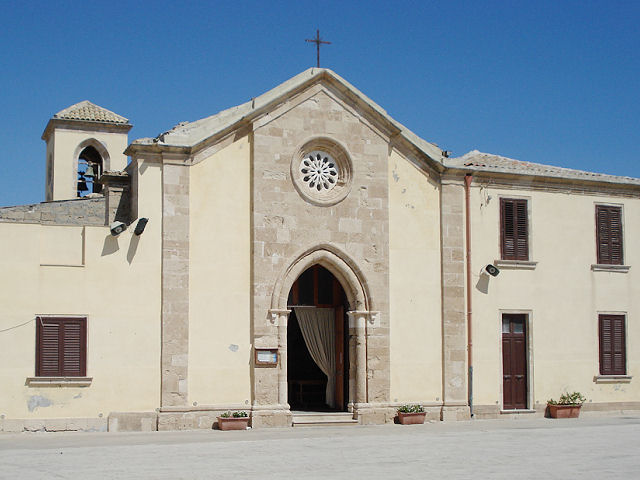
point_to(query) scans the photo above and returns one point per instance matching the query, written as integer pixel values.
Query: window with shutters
(514, 229)
(612, 345)
(61, 347)
(609, 234)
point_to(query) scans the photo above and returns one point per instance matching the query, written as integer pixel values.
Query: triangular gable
(191, 135)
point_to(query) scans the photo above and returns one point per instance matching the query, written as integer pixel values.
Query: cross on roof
(317, 41)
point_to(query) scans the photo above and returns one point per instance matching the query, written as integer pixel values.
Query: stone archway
(91, 152)
(360, 315)
(338, 263)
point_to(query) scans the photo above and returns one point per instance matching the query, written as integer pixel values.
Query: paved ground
(583, 448)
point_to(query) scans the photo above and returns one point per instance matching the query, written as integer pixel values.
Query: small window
(61, 347)
(609, 234)
(514, 229)
(612, 345)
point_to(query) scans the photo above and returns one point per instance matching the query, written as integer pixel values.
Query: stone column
(352, 365)
(283, 385)
(455, 405)
(357, 343)
(175, 285)
(270, 404)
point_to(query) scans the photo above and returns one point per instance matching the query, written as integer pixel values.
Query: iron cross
(317, 41)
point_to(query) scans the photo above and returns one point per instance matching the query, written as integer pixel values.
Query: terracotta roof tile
(488, 162)
(87, 111)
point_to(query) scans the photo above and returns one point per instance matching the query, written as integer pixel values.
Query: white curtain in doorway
(318, 331)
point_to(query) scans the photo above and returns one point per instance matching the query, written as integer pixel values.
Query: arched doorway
(317, 342)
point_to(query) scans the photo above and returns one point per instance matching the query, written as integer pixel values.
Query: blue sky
(548, 82)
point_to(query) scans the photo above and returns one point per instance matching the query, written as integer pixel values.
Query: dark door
(316, 287)
(514, 361)
(339, 329)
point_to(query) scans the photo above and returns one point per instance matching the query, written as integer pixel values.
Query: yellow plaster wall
(562, 295)
(117, 288)
(414, 283)
(219, 278)
(62, 245)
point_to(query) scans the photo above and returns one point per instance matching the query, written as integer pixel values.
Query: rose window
(319, 170)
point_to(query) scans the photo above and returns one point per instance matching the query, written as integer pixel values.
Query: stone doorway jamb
(355, 288)
(280, 318)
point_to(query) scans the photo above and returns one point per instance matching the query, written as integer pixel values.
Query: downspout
(467, 186)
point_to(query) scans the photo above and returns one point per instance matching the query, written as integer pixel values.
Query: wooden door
(514, 361)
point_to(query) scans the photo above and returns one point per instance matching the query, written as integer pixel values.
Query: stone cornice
(536, 182)
(67, 124)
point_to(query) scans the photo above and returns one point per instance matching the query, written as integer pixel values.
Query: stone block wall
(453, 302)
(175, 284)
(285, 224)
(81, 211)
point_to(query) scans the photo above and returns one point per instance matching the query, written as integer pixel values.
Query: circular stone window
(321, 172)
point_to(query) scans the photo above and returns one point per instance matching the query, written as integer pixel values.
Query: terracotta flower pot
(233, 423)
(411, 418)
(564, 411)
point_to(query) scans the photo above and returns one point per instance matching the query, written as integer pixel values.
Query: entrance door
(514, 361)
(316, 287)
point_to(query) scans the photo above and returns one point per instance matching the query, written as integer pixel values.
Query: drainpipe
(467, 185)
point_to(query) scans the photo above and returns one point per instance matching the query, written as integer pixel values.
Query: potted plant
(567, 407)
(411, 414)
(233, 421)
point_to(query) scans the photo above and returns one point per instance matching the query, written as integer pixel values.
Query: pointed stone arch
(99, 146)
(94, 153)
(361, 310)
(338, 263)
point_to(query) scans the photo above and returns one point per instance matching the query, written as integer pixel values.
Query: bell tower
(83, 141)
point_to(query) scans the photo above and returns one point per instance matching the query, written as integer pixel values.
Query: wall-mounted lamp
(117, 228)
(140, 226)
(492, 270)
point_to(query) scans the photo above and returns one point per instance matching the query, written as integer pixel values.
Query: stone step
(307, 419)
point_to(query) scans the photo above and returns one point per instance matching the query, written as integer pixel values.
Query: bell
(82, 185)
(89, 171)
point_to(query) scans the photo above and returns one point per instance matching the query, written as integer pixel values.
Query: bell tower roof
(89, 117)
(90, 112)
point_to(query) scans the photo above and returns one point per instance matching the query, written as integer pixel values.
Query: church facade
(306, 252)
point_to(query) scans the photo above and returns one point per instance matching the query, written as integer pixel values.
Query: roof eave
(504, 174)
(62, 122)
(431, 153)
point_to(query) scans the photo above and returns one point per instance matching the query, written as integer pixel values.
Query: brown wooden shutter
(61, 347)
(612, 345)
(48, 348)
(609, 234)
(514, 229)
(74, 341)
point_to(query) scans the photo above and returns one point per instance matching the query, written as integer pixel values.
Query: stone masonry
(285, 224)
(80, 211)
(175, 284)
(453, 303)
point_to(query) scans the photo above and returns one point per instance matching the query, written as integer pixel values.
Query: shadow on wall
(111, 246)
(133, 248)
(483, 283)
